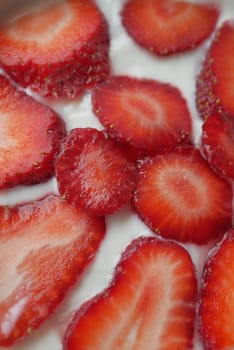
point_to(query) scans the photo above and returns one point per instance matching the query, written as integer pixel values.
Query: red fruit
(218, 143)
(148, 305)
(44, 247)
(30, 135)
(165, 27)
(59, 50)
(178, 196)
(216, 79)
(93, 172)
(145, 114)
(216, 307)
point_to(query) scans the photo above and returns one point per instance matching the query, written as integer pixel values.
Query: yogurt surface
(127, 59)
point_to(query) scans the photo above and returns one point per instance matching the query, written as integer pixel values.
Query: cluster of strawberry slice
(215, 101)
(44, 245)
(214, 96)
(144, 155)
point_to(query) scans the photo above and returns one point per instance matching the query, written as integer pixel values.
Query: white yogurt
(127, 58)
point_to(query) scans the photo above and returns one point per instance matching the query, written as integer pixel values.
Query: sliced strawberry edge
(73, 164)
(210, 82)
(167, 43)
(156, 211)
(79, 68)
(39, 307)
(67, 78)
(34, 169)
(217, 142)
(120, 277)
(212, 305)
(147, 137)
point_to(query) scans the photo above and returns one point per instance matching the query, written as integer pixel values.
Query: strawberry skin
(178, 196)
(215, 81)
(150, 303)
(59, 50)
(216, 306)
(93, 172)
(30, 135)
(165, 27)
(218, 143)
(45, 246)
(142, 113)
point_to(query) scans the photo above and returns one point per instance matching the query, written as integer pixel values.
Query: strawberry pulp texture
(214, 91)
(218, 143)
(93, 172)
(179, 197)
(150, 303)
(30, 136)
(165, 27)
(216, 304)
(45, 246)
(58, 51)
(144, 114)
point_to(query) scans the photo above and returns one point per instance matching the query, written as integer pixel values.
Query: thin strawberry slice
(218, 143)
(93, 172)
(150, 303)
(178, 196)
(58, 50)
(145, 114)
(30, 135)
(44, 247)
(216, 78)
(166, 27)
(216, 306)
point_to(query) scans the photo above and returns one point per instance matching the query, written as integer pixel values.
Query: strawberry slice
(178, 196)
(58, 50)
(93, 172)
(44, 247)
(165, 27)
(30, 135)
(216, 78)
(216, 307)
(150, 303)
(145, 114)
(218, 143)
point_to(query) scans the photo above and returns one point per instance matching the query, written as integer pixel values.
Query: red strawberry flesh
(144, 114)
(93, 172)
(216, 307)
(148, 305)
(30, 135)
(216, 79)
(218, 143)
(165, 26)
(59, 50)
(180, 197)
(44, 246)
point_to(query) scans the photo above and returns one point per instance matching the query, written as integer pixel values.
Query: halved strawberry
(44, 247)
(93, 172)
(178, 196)
(59, 50)
(142, 113)
(150, 303)
(165, 27)
(216, 306)
(216, 79)
(30, 135)
(218, 143)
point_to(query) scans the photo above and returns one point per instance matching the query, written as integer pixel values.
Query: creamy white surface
(127, 58)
